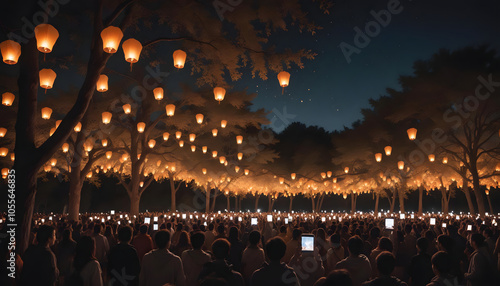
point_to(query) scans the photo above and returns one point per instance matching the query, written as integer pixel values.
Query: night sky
(330, 92)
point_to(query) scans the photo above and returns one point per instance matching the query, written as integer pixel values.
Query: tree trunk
(216, 193)
(313, 204)
(173, 206)
(353, 203)
(393, 201)
(377, 198)
(270, 205)
(291, 203)
(75, 191)
(465, 189)
(478, 193)
(401, 200)
(135, 198)
(257, 202)
(489, 203)
(420, 200)
(228, 207)
(444, 200)
(320, 204)
(25, 196)
(207, 199)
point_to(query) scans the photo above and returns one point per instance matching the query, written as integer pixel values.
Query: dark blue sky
(330, 92)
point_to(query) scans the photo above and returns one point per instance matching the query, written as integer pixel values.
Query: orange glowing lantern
(111, 38)
(152, 143)
(125, 157)
(102, 83)
(204, 149)
(432, 157)
(401, 165)
(3, 131)
(158, 92)
(445, 160)
(179, 58)
(378, 157)
(284, 79)
(47, 168)
(106, 117)
(53, 162)
(5, 172)
(223, 123)
(214, 132)
(47, 78)
(166, 135)
(65, 147)
(247, 172)
(8, 98)
(109, 154)
(10, 51)
(12, 157)
(192, 136)
(346, 170)
(141, 126)
(127, 108)
(282, 180)
(204, 171)
(293, 176)
(46, 36)
(78, 127)
(46, 112)
(178, 134)
(104, 142)
(236, 169)
(4, 151)
(58, 122)
(487, 192)
(193, 148)
(132, 51)
(214, 154)
(239, 139)
(199, 118)
(219, 93)
(181, 143)
(412, 133)
(497, 167)
(170, 109)
(388, 150)
(240, 156)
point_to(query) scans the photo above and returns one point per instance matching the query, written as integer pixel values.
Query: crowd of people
(261, 249)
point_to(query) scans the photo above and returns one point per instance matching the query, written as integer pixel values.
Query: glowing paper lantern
(199, 118)
(240, 156)
(181, 143)
(10, 51)
(412, 133)
(4, 151)
(12, 157)
(323, 175)
(223, 123)
(214, 132)
(346, 170)
(247, 172)
(293, 176)
(158, 92)
(141, 126)
(219, 93)
(204, 171)
(222, 159)
(106, 117)
(152, 143)
(46, 36)
(58, 122)
(401, 165)
(5, 172)
(282, 180)
(192, 136)
(46, 112)
(47, 78)
(102, 83)
(204, 149)
(127, 108)
(132, 50)
(104, 142)
(47, 168)
(284, 78)
(3, 131)
(388, 150)
(141, 184)
(125, 157)
(214, 154)
(193, 148)
(329, 174)
(111, 38)
(497, 168)
(170, 109)
(65, 147)
(487, 192)
(378, 157)
(445, 160)
(109, 154)
(78, 127)
(8, 98)
(432, 157)
(239, 139)
(166, 135)
(179, 58)
(178, 134)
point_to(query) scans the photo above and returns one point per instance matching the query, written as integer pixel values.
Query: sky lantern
(412, 133)
(3, 131)
(282, 180)
(432, 157)
(223, 123)
(497, 168)
(46, 36)
(12, 157)
(329, 174)
(240, 156)
(141, 126)
(199, 118)
(219, 93)
(109, 154)
(388, 150)
(334, 180)
(204, 171)
(78, 127)
(132, 51)
(247, 172)
(104, 142)
(106, 117)
(58, 122)
(323, 175)
(4, 151)
(166, 135)
(204, 149)
(111, 38)
(141, 184)
(487, 192)
(214, 154)
(47, 78)
(158, 93)
(178, 134)
(47, 168)
(65, 147)
(239, 139)
(284, 79)
(236, 169)
(192, 136)
(378, 157)
(346, 170)
(46, 112)
(10, 51)
(445, 160)
(214, 132)
(127, 108)
(170, 109)
(125, 157)
(293, 176)
(102, 83)
(5, 172)
(401, 165)
(8, 98)
(179, 58)
(152, 143)
(181, 143)
(193, 148)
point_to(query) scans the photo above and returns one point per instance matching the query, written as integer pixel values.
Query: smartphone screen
(323, 219)
(469, 227)
(286, 220)
(401, 216)
(432, 221)
(155, 219)
(183, 216)
(412, 216)
(270, 218)
(112, 212)
(307, 243)
(443, 225)
(147, 220)
(389, 223)
(254, 221)
(155, 226)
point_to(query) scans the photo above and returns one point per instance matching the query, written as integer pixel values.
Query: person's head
(220, 248)
(422, 244)
(340, 277)
(355, 245)
(221, 229)
(97, 228)
(441, 263)
(108, 231)
(233, 233)
(66, 235)
(211, 227)
(162, 239)
(335, 240)
(254, 237)
(487, 233)
(445, 243)
(408, 228)
(385, 263)
(179, 227)
(385, 244)
(296, 234)
(84, 252)
(46, 235)
(283, 229)
(183, 239)
(275, 248)
(197, 240)
(125, 234)
(375, 232)
(476, 240)
(143, 229)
